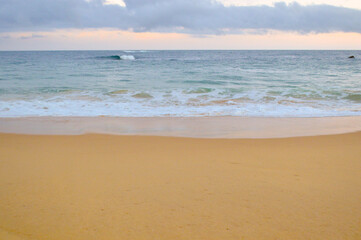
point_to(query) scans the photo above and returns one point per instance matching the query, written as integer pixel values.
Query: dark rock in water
(351, 57)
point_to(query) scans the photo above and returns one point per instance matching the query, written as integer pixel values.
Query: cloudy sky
(179, 24)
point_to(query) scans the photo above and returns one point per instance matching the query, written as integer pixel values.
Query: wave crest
(127, 57)
(117, 57)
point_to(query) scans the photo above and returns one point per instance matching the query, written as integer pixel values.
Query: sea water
(180, 83)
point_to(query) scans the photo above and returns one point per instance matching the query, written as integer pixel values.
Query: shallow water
(180, 83)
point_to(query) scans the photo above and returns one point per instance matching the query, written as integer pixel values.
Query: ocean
(180, 83)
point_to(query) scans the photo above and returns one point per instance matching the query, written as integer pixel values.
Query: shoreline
(190, 127)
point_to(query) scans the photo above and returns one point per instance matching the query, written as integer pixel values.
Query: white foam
(173, 103)
(142, 109)
(127, 57)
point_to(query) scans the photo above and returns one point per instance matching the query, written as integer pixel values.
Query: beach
(180, 145)
(101, 186)
(180, 120)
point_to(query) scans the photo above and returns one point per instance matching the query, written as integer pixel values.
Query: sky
(179, 24)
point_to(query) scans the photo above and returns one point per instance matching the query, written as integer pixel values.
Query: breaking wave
(117, 57)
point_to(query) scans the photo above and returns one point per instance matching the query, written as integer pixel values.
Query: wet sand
(194, 127)
(109, 187)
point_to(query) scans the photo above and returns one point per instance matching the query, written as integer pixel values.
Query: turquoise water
(180, 83)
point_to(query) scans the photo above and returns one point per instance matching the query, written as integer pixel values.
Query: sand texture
(105, 187)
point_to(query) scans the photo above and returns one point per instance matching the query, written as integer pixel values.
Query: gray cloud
(189, 16)
(5, 37)
(32, 36)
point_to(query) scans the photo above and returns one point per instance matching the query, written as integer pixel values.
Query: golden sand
(133, 187)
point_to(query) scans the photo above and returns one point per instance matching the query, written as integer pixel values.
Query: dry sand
(136, 187)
